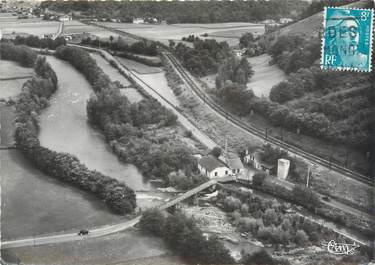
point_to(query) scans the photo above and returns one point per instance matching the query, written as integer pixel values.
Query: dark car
(83, 232)
(326, 198)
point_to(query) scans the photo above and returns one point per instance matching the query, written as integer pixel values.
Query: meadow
(34, 26)
(11, 88)
(230, 32)
(139, 67)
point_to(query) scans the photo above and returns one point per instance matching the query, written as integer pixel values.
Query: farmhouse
(138, 20)
(233, 162)
(255, 159)
(285, 20)
(65, 18)
(226, 165)
(212, 167)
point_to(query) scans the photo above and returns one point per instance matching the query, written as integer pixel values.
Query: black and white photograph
(174, 132)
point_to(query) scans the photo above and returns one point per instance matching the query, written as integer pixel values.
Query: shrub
(152, 221)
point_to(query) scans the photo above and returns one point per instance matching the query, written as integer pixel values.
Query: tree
(172, 43)
(152, 221)
(258, 179)
(246, 39)
(301, 237)
(306, 196)
(216, 151)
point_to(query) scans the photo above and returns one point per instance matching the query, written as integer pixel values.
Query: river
(64, 128)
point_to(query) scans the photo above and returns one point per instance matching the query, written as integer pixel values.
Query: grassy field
(132, 94)
(8, 69)
(264, 78)
(112, 73)
(139, 67)
(34, 26)
(75, 27)
(265, 75)
(222, 31)
(12, 69)
(11, 88)
(130, 247)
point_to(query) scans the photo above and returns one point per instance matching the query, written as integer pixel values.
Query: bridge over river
(110, 229)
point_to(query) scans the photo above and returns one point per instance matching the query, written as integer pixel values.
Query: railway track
(261, 134)
(249, 128)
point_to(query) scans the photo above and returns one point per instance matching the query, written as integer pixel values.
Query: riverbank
(131, 247)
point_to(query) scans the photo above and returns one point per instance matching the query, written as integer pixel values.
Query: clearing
(264, 78)
(265, 75)
(139, 67)
(8, 69)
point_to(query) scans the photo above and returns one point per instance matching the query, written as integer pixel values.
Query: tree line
(319, 107)
(140, 47)
(205, 56)
(184, 12)
(36, 42)
(21, 54)
(131, 128)
(65, 167)
(293, 52)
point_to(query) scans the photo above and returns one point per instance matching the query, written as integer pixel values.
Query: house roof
(209, 162)
(233, 161)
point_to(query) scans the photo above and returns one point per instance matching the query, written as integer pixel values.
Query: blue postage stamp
(347, 39)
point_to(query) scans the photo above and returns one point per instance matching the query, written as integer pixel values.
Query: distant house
(226, 165)
(268, 21)
(65, 18)
(138, 20)
(285, 20)
(255, 159)
(212, 167)
(240, 52)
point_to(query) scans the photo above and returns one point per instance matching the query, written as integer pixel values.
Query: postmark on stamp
(347, 39)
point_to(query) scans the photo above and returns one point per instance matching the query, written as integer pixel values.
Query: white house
(212, 167)
(228, 164)
(65, 18)
(285, 20)
(138, 20)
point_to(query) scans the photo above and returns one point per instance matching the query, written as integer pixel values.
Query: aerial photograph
(187, 132)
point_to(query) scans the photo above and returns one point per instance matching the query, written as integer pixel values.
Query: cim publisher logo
(341, 248)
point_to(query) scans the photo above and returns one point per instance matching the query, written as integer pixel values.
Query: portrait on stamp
(347, 39)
